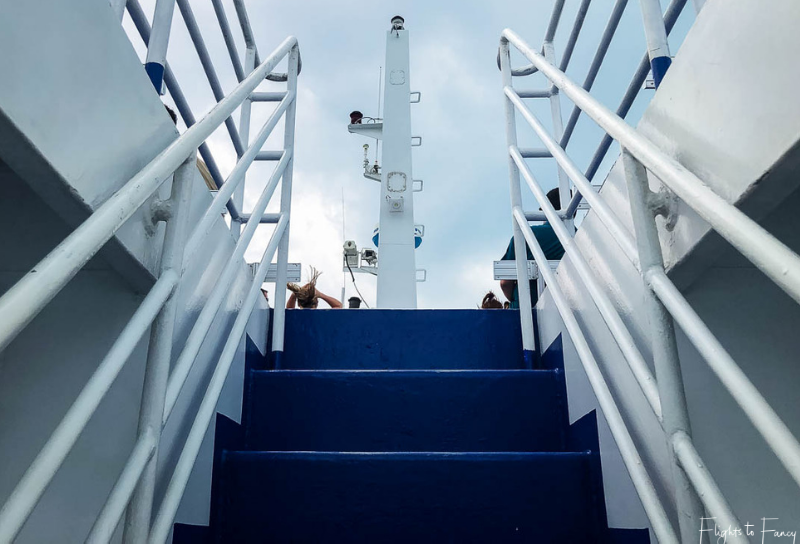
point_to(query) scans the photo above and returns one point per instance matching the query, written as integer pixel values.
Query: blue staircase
(406, 427)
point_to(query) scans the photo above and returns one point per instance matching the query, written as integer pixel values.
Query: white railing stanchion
(656, 35)
(627, 448)
(164, 518)
(558, 132)
(159, 354)
(708, 490)
(16, 510)
(286, 206)
(111, 513)
(764, 418)
(520, 250)
(194, 341)
(665, 349)
(244, 137)
(621, 334)
(159, 40)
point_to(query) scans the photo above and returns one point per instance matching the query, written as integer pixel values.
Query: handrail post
(244, 136)
(558, 133)
(286, 204)
(520, 248)
(159, 40)
(656, 35)
(665, 350)
(159, 354)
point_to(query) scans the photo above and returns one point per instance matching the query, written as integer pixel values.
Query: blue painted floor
(406, 427)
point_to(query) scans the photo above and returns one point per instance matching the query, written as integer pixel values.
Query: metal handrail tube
(169, 505)
(159, 347)
(535, 216)
(19, 505)
(594, 68)
(534, 94)
(515, 193)
(269, 155)
(22, 302)
(219, 11)
(245, 118)
(223, 197)
(707, 488)
(530, 153)
(140, 22)
(267, 96)
(555, 18)
(599, 206)
(656, 37)
(630, 455)
(156, 57)
(269, 217)
(622, 336)
(247, 30)
(666, 361)
(279, 312)
(250, 42)
(576, 31)
(670, 17)
(763, 417)
(768, 254)
(549, 52)
(208, 68)
(188, 355)
(111, 513)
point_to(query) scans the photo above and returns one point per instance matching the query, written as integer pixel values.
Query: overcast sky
(453, 47)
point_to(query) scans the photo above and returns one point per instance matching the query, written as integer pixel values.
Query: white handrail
(768, 254)
(111, 513)
(771, 255)
(169, 505)
(627, 448)
(610, 315)
(19, 505)
(20, 304)
(25, 299)
(774, 431)
(194, 341)
(707, 488)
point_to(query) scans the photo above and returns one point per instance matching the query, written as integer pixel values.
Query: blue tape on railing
(277, 360)
(659, 65)
(156, 73)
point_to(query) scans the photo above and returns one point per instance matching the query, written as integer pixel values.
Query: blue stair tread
(312, 497)
(406, 411)
(402, 339)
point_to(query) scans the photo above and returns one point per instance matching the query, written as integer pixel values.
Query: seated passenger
(551, 247)
(490, 301)
(308, 296)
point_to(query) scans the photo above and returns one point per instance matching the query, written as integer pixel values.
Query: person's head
(555, 198)
(306, 295)
(490, 301)
(172, 115)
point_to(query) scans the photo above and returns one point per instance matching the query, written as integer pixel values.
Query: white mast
(397, 286)
(396, 266)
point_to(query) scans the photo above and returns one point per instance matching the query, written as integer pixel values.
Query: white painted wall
(73, 94)
(727, 110)
(78, 118)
